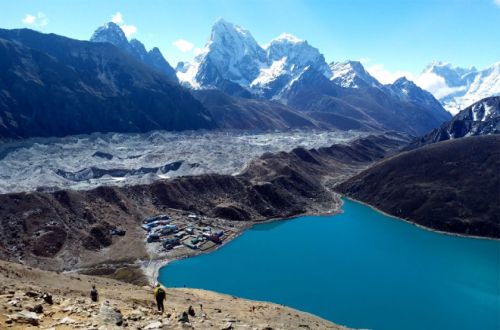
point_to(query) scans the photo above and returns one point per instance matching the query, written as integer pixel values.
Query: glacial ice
(34, 164)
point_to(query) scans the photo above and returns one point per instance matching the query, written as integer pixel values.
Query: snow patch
(269, 74)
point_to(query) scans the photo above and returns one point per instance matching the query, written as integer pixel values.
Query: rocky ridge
(450, 186)
(481, 118)
(113, 34)
(34, 298)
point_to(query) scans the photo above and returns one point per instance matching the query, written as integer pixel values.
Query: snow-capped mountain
(406, 90)
(352, 74)
(481, 118)
(287, 59)
(231, 55)
(484, 110)
(233, 61)
(456, 88)
(113, 34)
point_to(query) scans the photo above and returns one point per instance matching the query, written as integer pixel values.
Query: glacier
(89, 161)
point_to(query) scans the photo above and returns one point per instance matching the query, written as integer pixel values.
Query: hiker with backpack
(159, 294)
(94, 295)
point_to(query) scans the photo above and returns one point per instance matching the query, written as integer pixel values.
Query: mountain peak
(223, 28)
(352, 74)
(407, 90)
(403, 81)
(287, 37)
(111, 33)
(231, 54)
(438, 63)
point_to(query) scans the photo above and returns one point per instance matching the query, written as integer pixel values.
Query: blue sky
(391, 37)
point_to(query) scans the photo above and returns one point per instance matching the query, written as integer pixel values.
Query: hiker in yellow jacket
(159, 294)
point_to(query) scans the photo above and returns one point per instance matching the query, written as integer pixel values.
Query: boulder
(37, 308)
(66, 321)
(191, 311)
(184, 318)
(135, 315)
(25, 317)
(31, 294)
(154, 326)
(47, 298)
(227, 326)
(110, 315)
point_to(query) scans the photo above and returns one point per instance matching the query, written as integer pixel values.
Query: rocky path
(31, 298)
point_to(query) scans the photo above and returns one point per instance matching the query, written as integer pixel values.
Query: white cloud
(42, 19)
(436, 85)
(385, 76)
(29, 19)
(129, 30)
(365, 60)
(117, 18)
(496, 2)
(197, 51)
(432, 83)
(38, 20)
(183, 45)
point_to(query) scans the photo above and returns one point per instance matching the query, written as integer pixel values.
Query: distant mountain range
(113, 34)
(458, 88)
(55, 86)
(446, 180)
(113, 84)
(292, 72)
(481, 118)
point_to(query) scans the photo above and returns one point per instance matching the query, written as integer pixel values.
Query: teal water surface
(359, 268)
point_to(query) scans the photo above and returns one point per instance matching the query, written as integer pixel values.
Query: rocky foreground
(35, 298)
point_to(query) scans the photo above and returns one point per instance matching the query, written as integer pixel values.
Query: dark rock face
(481, 118)
(407, 91)
(49, 243)
(378, 108)
(104, 155)
(451, 186)
(113, 34)
(96, 172)
(99, 237)
(231, 212)
(55, 86)
(252, 114)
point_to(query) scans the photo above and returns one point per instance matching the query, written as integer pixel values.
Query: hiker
(93, 294)
(159, 294)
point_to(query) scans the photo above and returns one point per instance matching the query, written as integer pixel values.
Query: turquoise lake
(359, 268)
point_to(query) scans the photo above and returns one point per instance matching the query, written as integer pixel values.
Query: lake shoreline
(385, 261)
(419, 225)
(153, 266)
